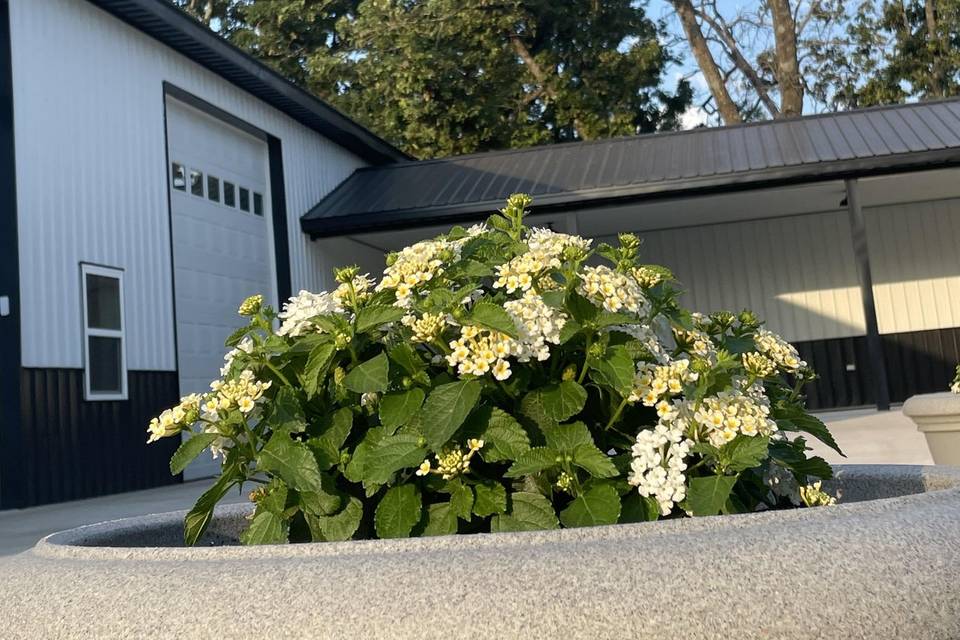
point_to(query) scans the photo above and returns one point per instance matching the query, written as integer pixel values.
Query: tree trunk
(937, 80)
(708, 66)
(787, 65)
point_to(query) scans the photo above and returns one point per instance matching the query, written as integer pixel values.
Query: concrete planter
(937, 415)
(884, 564)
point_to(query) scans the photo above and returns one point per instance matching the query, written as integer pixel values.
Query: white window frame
(88, 332)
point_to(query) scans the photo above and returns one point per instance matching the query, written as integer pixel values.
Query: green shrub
(498, 378)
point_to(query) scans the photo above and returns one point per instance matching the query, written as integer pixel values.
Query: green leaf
(376, 315)
(564, 400)
(406, 358)
(567, 437)
(615, 370)
(637, 508)
(491, 499)
(398, 512)
(744, 452)
(600, 504)
(534, 408)
(446, 408)
(570, 329)
(391, 454)
(533, 461)
(292, 461)
(528, 512)
(275, 501)
(316, 367)
(582, 310)
(354, 471)
(461, 501)
(504, 438)
(708, 494)
(370, 376)
(397, 408)
(593, 461)
(196, 521)
(189, 450)
(796, 419)
(439, 521)
(285, 413)
(234, 338)
(607, 319)
(343, 525)
(266, 528)
(493, 316)
(323, 502)
(326, 446)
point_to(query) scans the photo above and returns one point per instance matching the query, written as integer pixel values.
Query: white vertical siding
(915, 261)
(91, 173)
(797, 273)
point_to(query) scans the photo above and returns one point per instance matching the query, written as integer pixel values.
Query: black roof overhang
(332, 226)
(169, 25)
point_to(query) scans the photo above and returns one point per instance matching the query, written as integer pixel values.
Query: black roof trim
(878, 140)
(166, 23)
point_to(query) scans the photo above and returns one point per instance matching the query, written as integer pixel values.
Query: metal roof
(588, 174)
(163, 21)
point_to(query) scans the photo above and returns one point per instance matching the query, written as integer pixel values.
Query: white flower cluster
(697, 343)
(301, 308)
(426, 328)
(550, 243)
(173, 421)
(451, 461)
(416, 265)
(480, 350)
(659, 462)
(955, 387)
(244, 346)
(654, 382)
(647, 277)
(612, 290)
(362, 289)
(729, 413)
(538, 326)
(783, 353)
(244, 393)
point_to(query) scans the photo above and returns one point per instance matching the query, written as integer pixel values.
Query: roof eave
(319, 226)
(171, 26)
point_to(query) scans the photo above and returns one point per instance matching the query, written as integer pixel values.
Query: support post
(861, 256)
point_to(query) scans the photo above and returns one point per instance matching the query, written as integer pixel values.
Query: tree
(898, 50)
(440, 77)
(758, 60)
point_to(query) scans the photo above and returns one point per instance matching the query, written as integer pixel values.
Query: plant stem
(586, 356)
(616, 414)
(278, 373)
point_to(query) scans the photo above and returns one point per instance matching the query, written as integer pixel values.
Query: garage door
(221, 253)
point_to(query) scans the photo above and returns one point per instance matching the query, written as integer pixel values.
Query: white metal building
(154, 176)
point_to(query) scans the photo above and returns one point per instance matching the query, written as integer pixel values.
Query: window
(213, 188)
(179, 177)
(244, 199)
(229, 194)
(258, 203)
(196, 183)
(105, 366)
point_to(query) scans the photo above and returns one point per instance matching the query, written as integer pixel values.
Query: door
(221, 249)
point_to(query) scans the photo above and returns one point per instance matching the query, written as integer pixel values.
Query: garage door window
(196, 182)
(105, 367)
(213, 188)
(178, 176)
(244, 199)
(229, 194)
(258, 204)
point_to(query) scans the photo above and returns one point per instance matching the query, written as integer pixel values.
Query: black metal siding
(916, 362)
(78, 449)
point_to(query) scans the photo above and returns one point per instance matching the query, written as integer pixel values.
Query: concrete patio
(865, 435)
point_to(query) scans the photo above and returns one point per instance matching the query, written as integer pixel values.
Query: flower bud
(251, 306)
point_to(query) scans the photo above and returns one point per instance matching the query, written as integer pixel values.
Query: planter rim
(922, 486)
(943, 403)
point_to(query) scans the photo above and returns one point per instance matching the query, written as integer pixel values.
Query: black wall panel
(78, 449)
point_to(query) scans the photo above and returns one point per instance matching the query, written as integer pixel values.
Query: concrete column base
(937, 416)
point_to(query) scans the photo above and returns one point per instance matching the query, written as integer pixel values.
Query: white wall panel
(915, 259)
(91, 174)
(797, 273)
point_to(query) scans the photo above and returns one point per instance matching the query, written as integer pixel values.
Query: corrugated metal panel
(76, 449)
(797, 273)
(804, 148)
(915, 259)
(92, 177)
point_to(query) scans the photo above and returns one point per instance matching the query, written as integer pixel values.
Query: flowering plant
(499, 378)
(955, 386)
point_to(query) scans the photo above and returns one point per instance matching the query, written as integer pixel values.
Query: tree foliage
(441, 77)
